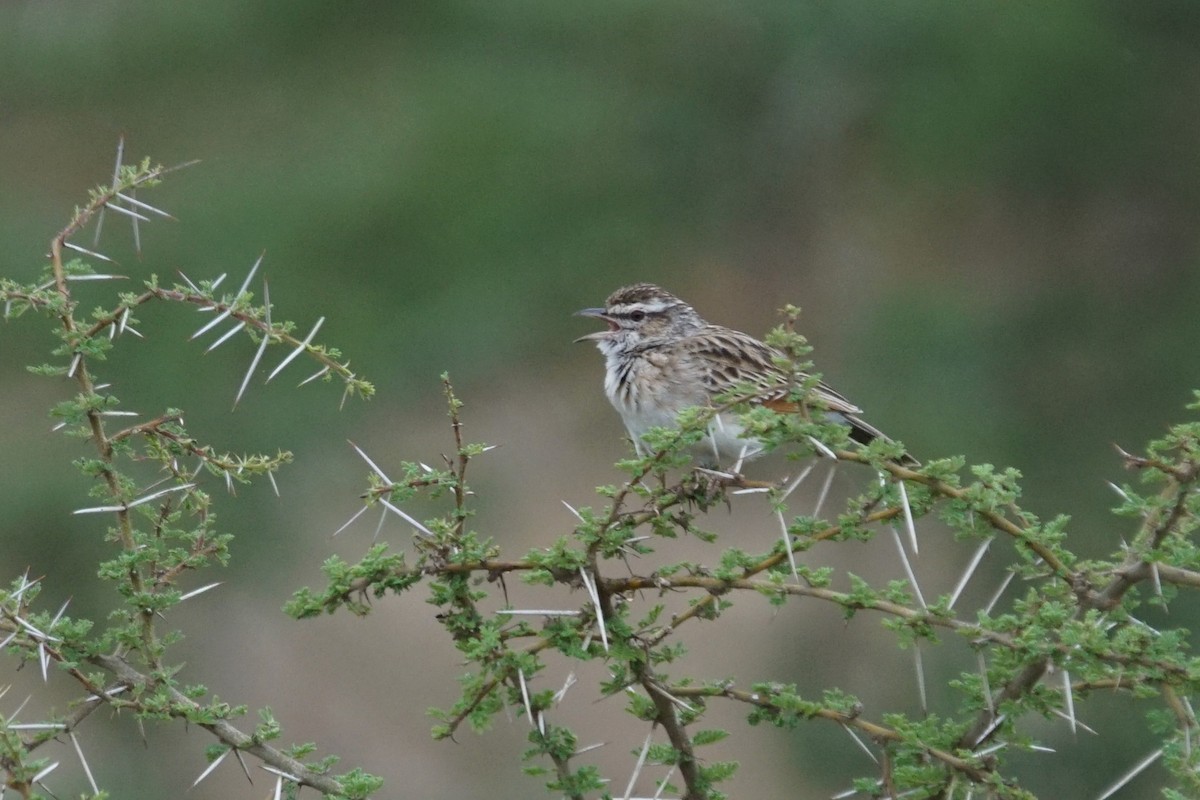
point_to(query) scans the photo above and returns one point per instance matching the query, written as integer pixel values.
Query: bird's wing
(731, 357)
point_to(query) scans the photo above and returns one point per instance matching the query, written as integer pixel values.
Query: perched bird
(661, 357)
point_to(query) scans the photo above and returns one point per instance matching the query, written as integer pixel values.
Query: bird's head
(640, 316)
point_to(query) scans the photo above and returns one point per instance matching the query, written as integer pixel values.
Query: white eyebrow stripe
(651, 307)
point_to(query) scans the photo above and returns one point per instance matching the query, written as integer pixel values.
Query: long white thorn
(715, 473)
(97, 276)
(990, 729)
(595, 596)
(201, 590)
(908, 517)
(38, 778)
(737, 465)
(525, 696)
(279, 772)
(996, 597)
(249, 277)
(567, 684)
(115, 178)
(712, 438)
(985, 685)
(991, 748)
(970, 570)
(660, 690)
(637, 767)
(262, 346)
(98, 509)
(314, 376)
(212, 323)
(58, 616)
(908, 570)
(920, 667)
(858, 740)
(87, 252)
(350, 521)
(407, 518)
(1069, 700)
(208, 770)
(791, 487)
(20, 708)
(139, 204)
(138, 502)
(37, 634)
(130, 212)
(1121, 492)
(1131, 774)
(137, 234)
(571, 508)
(25, 584)
(225, 337)
(787, 545)
(83, 761)
(822, 448)
(1079, 723)
(842, 795)
(188, 281)
(589, 748)
(242, 763)
(183, 487)
(374, 467)
(825, 490)
(299, 349)
(662, 784)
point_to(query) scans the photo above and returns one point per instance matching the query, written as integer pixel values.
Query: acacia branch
(183, 707)
(667, 715)
(876, 731)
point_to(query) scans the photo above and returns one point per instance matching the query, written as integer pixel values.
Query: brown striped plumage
(662, 357)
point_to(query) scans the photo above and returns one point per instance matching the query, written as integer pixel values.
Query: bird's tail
(864, 433)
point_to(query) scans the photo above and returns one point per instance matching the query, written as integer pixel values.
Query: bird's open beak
(598, 313)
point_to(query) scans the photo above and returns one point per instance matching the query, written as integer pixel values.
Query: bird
(661, 357)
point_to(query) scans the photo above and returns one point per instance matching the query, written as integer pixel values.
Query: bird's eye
(637, 316)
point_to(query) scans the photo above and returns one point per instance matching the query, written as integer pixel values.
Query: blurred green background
(986, 210)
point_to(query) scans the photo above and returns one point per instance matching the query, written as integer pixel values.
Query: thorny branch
(149, 566)
(1094, 590)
